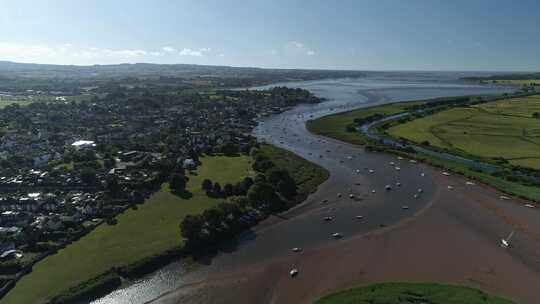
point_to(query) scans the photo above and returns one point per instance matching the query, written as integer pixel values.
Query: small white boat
(351, 195)
(293, 272)
(420, 190)
(450, 187)
(337, 235)
(297, 249)
(399, 158)
(529, 206)
(445, 173)
(371, 171)
(504, 198)
(398, 168)
(398, 184)
(416, 196)
(388, 187)
(412, 161)
(373, 191)
(359, 217)
(405, 207)
(392, 163)
(357, 170)
(422, 174)
(328, 218)
(470, 183)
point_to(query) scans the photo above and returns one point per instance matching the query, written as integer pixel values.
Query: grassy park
(392, 293)
(148, 231)
(502, 129)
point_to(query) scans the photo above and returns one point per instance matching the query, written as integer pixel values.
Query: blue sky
(366, 35)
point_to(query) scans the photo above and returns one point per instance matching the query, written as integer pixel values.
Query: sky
(477, 35)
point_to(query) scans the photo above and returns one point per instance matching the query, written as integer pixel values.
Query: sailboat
(505, 243)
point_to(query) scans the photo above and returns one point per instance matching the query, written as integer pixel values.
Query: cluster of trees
(536, 115)
(254, 198)
(275, 178)
(215, 224)
(238, 189)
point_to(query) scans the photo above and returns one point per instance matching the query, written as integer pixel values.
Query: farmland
(506, 129)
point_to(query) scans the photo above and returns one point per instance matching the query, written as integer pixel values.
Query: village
(68, 166)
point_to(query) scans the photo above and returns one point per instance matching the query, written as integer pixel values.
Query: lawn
(394, 293)
(335, 125)
(504, 129)
(145, 232)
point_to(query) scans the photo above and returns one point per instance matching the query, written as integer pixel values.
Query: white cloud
(156, 54)
(169, 49)
(298, 48)
(194, 52)
(69, 54)
(297, 44)
(128, 53)
(221, 55)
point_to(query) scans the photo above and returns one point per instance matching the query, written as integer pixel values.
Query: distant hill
(146, 70)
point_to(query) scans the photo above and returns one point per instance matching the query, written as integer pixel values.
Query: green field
(408, 293)
(502, 129)
(335, 125)
(145, 232)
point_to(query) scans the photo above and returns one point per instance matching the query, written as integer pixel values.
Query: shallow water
(304, 227)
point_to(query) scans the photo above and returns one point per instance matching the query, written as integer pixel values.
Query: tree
(246, 183)
(191, 229)
(217, 188)
(262, 163)
(89, 175)
(213, 219)
(228, 189)
(207, 185)
(260, 194)
(178, 182)
(536, 115)
(282, 180)
(113, 187)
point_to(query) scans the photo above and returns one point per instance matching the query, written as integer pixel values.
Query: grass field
(150, 230)
(502, 128)
(408, 293)
(307, 175)
(335, 125)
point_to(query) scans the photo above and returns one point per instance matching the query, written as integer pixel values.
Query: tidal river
(352, 171)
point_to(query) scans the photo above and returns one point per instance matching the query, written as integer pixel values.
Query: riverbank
(377, 128)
